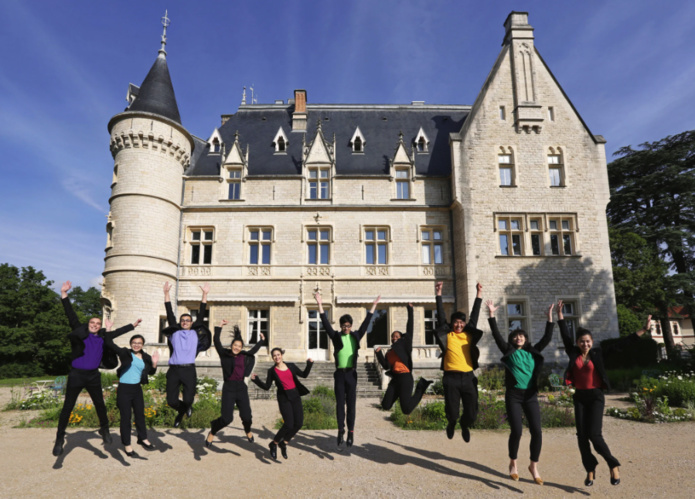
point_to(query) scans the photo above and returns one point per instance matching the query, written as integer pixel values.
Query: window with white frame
(319, 183)
(402, 183)
(318, 242)
(260, 245)
(430, 326)
(280, 141)
(257, 324)
(516, 316)
(556, 168)
(421, 141)
(376, 245)
(432, 246)
(561, 236)
(505, 162)
(216, 145)
(201, 242)
(318, 338)
(510, 235)
(357, 141)
(234, 184)
(536, 226)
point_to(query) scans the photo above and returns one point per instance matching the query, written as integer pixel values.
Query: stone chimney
(516, 26)
(299, 115)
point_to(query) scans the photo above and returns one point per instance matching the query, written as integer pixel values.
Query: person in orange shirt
(398, 364)
(458, 341)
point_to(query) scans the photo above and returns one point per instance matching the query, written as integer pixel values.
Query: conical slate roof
(156, 93)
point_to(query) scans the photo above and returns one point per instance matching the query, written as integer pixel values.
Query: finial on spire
(318, 124)
(236, 136)
(165, 22)
(400, 136)
(243, 96)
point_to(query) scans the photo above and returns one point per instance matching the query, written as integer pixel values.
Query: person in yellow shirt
(457, 340)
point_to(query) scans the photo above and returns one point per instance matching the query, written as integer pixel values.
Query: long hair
(236, 336)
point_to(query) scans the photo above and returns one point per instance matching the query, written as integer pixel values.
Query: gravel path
(385, 462)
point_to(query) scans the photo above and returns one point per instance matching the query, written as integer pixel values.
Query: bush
(33, 401)
(554, 416)
(492, 414)
(642, 354)
(108, 380)
(623, 380)
(323, 391)
(492, 378)
(157, 382)
(319, 410)
(15, 370)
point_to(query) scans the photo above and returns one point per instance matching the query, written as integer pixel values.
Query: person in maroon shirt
(587, 374)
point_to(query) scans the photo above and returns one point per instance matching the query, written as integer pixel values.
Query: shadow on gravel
(79, 439)
(155, 438)
(436, 456)
(194, 439)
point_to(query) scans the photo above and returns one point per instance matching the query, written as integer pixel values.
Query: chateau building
(286, 199)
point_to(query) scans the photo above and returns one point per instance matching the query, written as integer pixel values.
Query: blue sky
(628, 67)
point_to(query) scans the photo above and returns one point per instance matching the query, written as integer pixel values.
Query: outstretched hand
(648, 327)
(224, 322)
(550, 312)
(375, 303)
(108, 324)
(137, 323)
(167, 287)
(378, 349)
(479, 290)
(438, 288)
(317, 297)
(309, 361)
(253, 376)
(262, 336)
(491, 308)
(155, 358)
(205, 288)
(560, 317)
(67, 285)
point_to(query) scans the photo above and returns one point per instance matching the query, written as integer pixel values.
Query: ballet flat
(514, 477)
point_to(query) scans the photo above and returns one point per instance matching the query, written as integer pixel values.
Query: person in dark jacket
(88, 355)
(398, 363)
(523, 363)
(587, 374)
(237, 365)
(346, 345)
(458, 341)
(136, 366)
(290, 391)
(186, 340)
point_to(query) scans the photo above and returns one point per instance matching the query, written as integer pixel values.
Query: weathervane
(165, 22)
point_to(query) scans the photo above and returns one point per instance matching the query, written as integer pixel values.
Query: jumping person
(290, 391)
(186, 340)
(88, 355)
(136, 366)
(523, 362)
(398, 364)
(237, 364)
(345, 351)
(586, 372)
(457, 341)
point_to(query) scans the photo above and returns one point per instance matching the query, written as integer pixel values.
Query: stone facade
(521, 210)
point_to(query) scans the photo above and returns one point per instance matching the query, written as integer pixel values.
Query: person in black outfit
(398, 364)
(237, 365)
(588, 375)
(88, 355)
(523, 363)
(458, 342)
(136, 366)
(345, 350)
(290, 391)
(186, 340)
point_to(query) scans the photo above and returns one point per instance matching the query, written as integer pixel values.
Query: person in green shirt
(345, 351)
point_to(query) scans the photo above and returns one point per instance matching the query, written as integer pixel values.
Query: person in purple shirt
(186, 340)
(88, 355)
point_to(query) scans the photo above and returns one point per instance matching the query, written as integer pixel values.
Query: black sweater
(228, 359)
(337, 340)
(272, 376)
(80, 332)
(126, 358)
(535, 350)
(474, 334)
(403, 347)
(204, 335)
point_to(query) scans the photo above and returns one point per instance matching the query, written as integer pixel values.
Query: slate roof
(380, 126)
(156, 94)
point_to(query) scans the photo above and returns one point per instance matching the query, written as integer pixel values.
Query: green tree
(88, 302)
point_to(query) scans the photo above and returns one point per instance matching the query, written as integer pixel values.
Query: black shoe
(450, 428)
(58, 447)
(146, 446)
(424, 384)
(189, 411)
(106, 435)
(350, 438)
(131, 453)
(283, 449)
(273, 450)
(588, 482)
(614, 481)
(179, 418)
(340, 438)
(466, 434)
(250, 439)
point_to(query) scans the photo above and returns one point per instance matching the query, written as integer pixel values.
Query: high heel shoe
(614, 481)
(130, 454)
(536, 479)
(590, 476)
(146, 446)
(250, 439)
(283, 449)
(273, 450)
(208, 443)
(513, 476)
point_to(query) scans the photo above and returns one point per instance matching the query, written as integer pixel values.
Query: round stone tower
(151, 150)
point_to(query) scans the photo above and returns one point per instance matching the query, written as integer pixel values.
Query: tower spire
(165, 22)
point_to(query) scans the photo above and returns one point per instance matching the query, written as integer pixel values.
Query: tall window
(556, 170)
(432, 246)
(216, 145)
(561, 236)
(421, 144)
(430, 326)
(281, 145)
(318, 183)
(506, 167)
(376, 246)
(258, 323)
(318, 339)
(570, 312)
(201, 246)
(357, 145)
(511, 235)
(234, 182)
(675, 327)
(318, 246)
(402, 184)
(260, 243)
(516, 316)
(536, 225)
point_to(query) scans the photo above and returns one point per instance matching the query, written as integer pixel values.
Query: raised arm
(171, 318)
(365, 323)
(257, 346)
(475, 312)
(67, 306)
(566, 336)
(409, 325)
(155, 360)
(441, 317)
(125, 329)
(381, 359)
(499, 340)
(548, 335)
(200, 319)
(217, 338)
(268, 382)
(324, 319)
(108, 338)
(307, 369)
(619, 345)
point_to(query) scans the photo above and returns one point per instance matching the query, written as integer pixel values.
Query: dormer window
(216, 145)
(357, 141)
(357, 145)
(281, 145)
(422, 142)
(215, 142)
(280, 141)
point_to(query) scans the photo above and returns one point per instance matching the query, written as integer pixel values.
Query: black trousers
(345, 386)
(233, 393)
(177, 376)
(130, 401)
(79, 379)
(518, 401)
(292, 412)
(400, 388)
(460, 387)
(588, 416)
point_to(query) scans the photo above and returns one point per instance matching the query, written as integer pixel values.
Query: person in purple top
(186, 340)
(88, 355)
